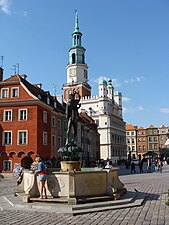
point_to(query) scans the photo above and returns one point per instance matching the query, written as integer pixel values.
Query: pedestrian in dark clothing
(149, 166)
(133, 167)
(141, 166)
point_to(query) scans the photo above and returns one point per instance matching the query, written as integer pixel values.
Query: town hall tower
(77, 69)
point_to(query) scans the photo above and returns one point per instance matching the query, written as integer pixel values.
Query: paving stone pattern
(154, 210)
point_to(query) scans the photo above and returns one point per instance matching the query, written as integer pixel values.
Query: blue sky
(125, 40)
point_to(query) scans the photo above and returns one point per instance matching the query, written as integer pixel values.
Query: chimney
(38, 85)
(1, 74)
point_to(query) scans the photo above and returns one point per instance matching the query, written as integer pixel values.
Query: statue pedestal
(70, 166)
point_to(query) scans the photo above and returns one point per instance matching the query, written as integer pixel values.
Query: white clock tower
(77, 69)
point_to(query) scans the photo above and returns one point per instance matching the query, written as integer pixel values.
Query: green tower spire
(76, 22)
(77, 51)
(76, 35)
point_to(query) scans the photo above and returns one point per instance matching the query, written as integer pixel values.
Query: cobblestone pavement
(154, 211)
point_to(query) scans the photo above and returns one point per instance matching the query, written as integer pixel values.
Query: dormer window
(39, 96)
(14, 92)
(48, 100)
(55, 104)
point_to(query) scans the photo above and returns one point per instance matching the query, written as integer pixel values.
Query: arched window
(77, 39)
(83, 59)
(73, 58)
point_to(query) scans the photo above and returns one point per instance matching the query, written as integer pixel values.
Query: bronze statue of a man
(72, 115)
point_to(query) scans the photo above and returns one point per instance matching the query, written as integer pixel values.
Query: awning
(150, 153)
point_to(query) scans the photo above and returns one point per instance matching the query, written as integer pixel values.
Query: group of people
(156, 166)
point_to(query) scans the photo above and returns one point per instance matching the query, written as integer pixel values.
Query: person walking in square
(133, 168)
(141, 166)
(149, 165)
(160, 165)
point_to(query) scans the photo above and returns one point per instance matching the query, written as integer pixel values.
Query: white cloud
(164, 110)
(4, 7)
(138, 79)
(115, 82)
(25, 13)
(100, 78)
(125, 99)
(140, 108)
(133, 110)
(132, 80)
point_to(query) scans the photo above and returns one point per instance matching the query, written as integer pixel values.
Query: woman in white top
(109, 165)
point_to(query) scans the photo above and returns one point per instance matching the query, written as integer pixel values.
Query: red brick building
(31, 122)
(141, 141)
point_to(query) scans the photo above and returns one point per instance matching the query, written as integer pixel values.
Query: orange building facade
(29, 123)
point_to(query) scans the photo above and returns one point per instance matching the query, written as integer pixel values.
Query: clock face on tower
(72, 72)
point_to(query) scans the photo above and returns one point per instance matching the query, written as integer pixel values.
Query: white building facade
(106, 110)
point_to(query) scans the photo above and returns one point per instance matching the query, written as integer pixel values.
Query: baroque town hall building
(105, 109)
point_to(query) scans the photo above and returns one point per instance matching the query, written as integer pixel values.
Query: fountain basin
(72, 185)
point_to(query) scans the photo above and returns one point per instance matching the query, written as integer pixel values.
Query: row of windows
(131, 148)
(152, 131)
(23, 116)
(141, 139)
(22, 137)
(118, 139)
(14, 92)
(150, 139)
(142, 132)
(118, 152)
(53, 121)
(131, 133)
(155, 147)
(141, 148)
(130, 141)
